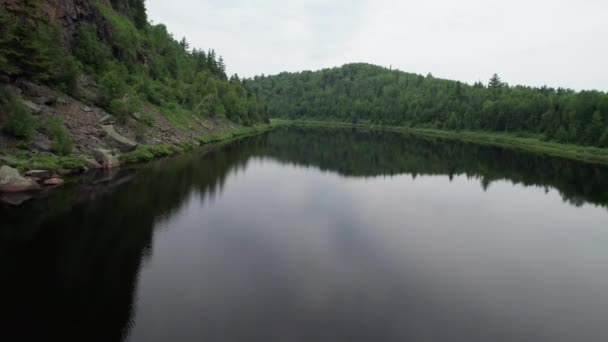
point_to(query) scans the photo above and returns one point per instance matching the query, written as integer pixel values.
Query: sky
(529, 42)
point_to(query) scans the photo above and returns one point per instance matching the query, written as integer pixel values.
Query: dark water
(315, 235)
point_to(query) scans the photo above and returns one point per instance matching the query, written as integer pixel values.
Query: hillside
(79, 75)
(373, 94)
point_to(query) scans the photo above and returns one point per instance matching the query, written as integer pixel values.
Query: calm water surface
(315, 235)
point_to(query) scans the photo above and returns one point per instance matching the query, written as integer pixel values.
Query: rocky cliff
(69, 14)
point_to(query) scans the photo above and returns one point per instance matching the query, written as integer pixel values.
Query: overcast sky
(532, 42)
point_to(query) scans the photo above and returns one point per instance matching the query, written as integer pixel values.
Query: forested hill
(132, 62)
(369, 93)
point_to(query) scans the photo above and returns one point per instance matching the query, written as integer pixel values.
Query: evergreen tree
(495, 82)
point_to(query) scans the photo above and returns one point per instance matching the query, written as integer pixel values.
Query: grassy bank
(67, 164)
(532, 144)
(145, 153)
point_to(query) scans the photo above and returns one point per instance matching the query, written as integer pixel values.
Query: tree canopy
(369, 93)
(135, 63)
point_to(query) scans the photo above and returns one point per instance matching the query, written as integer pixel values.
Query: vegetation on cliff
(133, 62)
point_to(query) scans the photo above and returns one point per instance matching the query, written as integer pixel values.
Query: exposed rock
(40, 174)
(53, 181)
(12, 181)
(63, 101)
(106, 158)
(92, 164)
(87, 109)
(106, 119)
(118, 141)
(36, 109)
(40, 143)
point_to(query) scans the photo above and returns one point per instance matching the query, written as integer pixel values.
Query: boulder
(118, 141)
(92, 164)
(137, 116)
(86, 109)
(106, 119)
(12, 181)
(36, 109)
(106, 158)
(40, 174)
(53, 181)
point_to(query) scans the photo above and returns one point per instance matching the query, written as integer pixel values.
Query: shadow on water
(71, 261)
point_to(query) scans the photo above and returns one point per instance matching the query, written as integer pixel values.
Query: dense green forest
(132, 61)
(369, 93)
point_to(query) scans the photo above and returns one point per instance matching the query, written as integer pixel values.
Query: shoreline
(586, 154)
(72, 168)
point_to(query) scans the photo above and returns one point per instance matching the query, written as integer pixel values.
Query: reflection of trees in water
(71, 261)
(367, 153)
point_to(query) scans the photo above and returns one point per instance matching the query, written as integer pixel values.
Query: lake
(310, 234)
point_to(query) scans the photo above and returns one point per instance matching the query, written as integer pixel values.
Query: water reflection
(241, 236)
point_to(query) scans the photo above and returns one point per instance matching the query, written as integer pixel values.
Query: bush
(19, 120)
(61, 142)
(146, 121)
(90, 50)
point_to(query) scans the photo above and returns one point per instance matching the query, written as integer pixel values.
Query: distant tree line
(369, 93)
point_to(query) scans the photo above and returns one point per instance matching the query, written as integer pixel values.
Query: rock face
(71, 14)
(118, 141)
(106, 158)
(12, 181)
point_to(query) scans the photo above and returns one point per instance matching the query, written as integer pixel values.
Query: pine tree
(184, 44)
(495, 82)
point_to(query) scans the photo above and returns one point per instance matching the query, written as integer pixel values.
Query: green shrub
(143, 124)
(61, 142)
(19, 120)
(125, 37)
(145, 153)
(29, 161)
(90, 50)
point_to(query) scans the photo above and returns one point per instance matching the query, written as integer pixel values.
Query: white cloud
(533, 42)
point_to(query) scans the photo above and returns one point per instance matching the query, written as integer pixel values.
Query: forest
(365, 93)
(132, 61)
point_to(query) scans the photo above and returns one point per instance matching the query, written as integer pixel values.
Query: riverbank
(26, 161)
(24, 177)
(587, 154)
